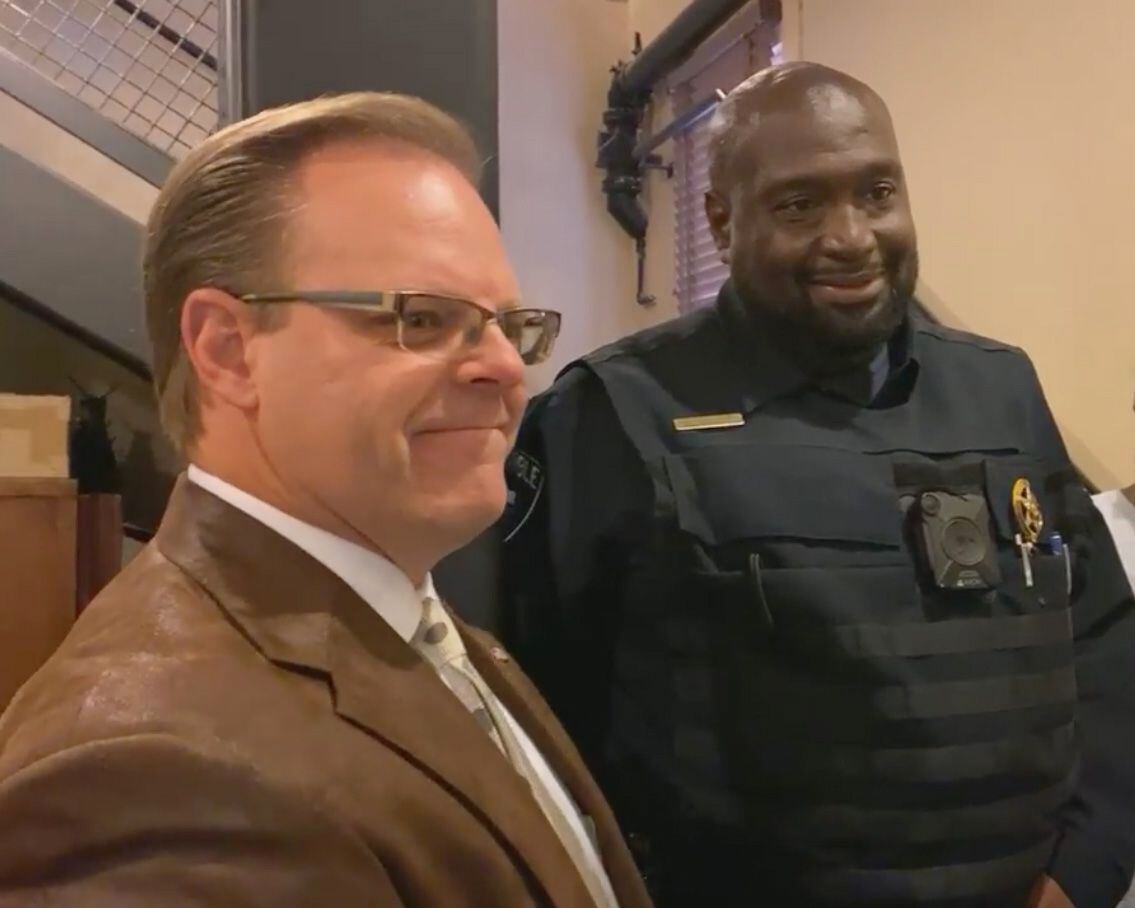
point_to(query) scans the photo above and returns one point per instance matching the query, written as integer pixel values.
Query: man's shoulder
(152, 654)
(941, 349)
(658, 348)
(941, 340)
(675, 332)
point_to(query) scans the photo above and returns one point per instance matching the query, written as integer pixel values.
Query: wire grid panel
(149, 65)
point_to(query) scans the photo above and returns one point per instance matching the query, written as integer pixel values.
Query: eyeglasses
(434, 324)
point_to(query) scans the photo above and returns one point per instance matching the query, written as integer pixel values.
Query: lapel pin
(498, 653)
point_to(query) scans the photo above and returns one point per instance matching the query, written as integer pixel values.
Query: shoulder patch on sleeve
(524, 476)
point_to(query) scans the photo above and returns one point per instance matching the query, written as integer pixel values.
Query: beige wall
(1015, 124)
(649, 17)
(554, 57)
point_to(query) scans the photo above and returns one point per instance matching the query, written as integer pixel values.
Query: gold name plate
(709, 421)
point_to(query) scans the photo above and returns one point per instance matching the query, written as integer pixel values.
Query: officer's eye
(797, 205)
(882, 192)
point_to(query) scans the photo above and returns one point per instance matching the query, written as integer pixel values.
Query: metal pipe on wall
(674, 43)
(622, 153)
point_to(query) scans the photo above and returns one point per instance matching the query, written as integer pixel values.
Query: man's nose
(493, 358)
(847, 233)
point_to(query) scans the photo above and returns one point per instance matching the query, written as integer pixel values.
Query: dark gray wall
(73, 254)
(442, 50)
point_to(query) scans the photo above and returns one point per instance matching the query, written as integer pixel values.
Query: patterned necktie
(439, 642)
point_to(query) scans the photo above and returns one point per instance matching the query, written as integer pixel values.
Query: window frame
(744, 46)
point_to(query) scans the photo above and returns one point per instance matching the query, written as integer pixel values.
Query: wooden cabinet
(38, 564)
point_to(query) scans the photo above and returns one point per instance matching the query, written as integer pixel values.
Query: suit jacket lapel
(301, 616)
(383, 686)
(524, 702)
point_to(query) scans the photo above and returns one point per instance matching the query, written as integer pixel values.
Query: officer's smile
(848, 289)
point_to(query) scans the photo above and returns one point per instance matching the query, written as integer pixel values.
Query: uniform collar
(771, 373)
(374, 578)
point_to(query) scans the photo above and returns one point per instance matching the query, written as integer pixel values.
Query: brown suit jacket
(228, 724)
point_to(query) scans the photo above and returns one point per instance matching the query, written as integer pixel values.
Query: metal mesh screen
(148, 65)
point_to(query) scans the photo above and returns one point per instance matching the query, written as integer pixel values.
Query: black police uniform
(797, 643)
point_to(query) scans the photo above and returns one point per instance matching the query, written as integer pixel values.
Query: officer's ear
(719, 213)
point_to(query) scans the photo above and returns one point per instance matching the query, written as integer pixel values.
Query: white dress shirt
(387, 590)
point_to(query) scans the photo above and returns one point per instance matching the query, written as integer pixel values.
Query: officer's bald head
(826, 94)
(808, 206)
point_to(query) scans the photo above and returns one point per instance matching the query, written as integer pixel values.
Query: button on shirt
(389, 592)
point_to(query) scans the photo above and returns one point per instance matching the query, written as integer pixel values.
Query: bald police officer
(851, 631)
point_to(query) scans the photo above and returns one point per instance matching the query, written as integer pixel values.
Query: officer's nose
(847, 234)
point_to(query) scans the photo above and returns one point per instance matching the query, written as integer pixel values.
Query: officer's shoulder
(659, 350)
(578, 386)
(657, 339)
(935, 339)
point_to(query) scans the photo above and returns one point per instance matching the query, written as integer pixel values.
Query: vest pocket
(756, 517)
(853, 705)
(1051, 567)
(728, 493)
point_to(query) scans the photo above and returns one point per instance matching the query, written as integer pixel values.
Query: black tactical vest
(817, 721)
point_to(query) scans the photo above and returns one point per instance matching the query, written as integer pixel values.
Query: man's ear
(216, 329)
(719, 213)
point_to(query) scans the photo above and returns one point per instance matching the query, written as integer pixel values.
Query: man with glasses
(270, 706)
